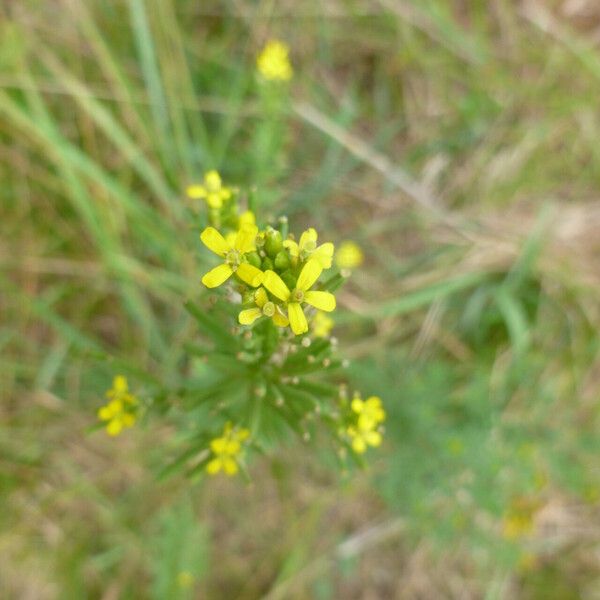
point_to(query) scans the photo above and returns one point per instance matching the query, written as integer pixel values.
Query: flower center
(298, 295)
(232, 258)
(268, 309)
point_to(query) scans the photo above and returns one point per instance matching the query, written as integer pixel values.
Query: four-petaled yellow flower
(264, 307)
(227, 450)
(364, 432)
(213, 190)
(120, 410)
(307, 248)
(349, 255)
(233, 253)
(273, 62)
(300, 294)
(362, 438)
(322, 324)
(370, 412)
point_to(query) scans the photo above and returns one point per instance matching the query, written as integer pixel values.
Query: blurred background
(457, 142)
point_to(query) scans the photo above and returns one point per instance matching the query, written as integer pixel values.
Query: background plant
(456, 143)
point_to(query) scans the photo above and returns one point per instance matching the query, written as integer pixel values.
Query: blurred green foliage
(479, 330)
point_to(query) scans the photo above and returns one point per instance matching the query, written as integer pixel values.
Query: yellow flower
(273, 62)
(247, 219)
(362, 438)
(213, 190)
(307, 248)
(370, 412)
(233, 253)
(322, 324)
(227, 450)
(119, 412)
(349, 255)
(264, 307)
(301, 294)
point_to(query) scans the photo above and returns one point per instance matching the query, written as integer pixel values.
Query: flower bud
(254, 259)
(267, 264)
(282, 260)
(273, 242)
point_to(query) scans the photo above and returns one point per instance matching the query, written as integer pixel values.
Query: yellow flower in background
(300, 295)
(307, 248)
(227, 450)
(213, 190)
(349, 255)
(233, 255)
(322, 324)
(247, 219)
(370, 412)
(273, 62)
(361, 439)
(519, 519)
(120, 410)
(264, 307)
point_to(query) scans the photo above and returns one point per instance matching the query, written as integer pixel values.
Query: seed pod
(282, 261)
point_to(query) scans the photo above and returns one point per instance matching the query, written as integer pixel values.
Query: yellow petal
(292, 247)
(373, 438)
(214, 200)
(321, 300)
(357, 405)
(308, 237)
(214, 466)
(245, 240)
(214, 241)
(232, 447)
(128, 420)
(243, 434)
(114, 427)
(247, 219)
(359, 445)
(250, 274)
(195, 192)
(260, 297)
(104, 413)
(217, 276)
(280, 320)
(120, 383)
(275, 285)
(230, 466)
(218, 445)
(309, 274)
(248, 316)
(324, 254)
(297, 319)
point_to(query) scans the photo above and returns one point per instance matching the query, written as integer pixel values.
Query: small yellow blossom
(273, 62)
(518, 521)
(301, 294)
(213, 190)
(370, 412)
(227, 450)
(264, 307)
(120, 410)
(307, 248)
(233, 253)
(185, 580)
(322, 324)
(362, 438)
(349, 255)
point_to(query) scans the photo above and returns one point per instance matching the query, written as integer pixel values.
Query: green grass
(456, 142)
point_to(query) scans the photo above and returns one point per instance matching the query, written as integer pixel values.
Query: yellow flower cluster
(281, 274)
(273, 63)
(349, 255)
(227, 450)
(364, 430)
(213, 191)
(120, 411)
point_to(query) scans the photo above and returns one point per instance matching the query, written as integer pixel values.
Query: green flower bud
(289, 279)
(267, 264)
(282, 261)
(273, 243)
(254, 259)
